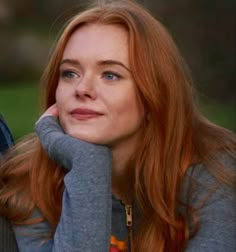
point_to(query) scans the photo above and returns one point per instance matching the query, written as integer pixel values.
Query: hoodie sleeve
(215, 211)
(85, 222)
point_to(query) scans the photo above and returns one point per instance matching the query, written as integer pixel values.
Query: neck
(123, 171)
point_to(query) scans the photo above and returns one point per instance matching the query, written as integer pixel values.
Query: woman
(6, 139)
(123, 159)
(7, 240)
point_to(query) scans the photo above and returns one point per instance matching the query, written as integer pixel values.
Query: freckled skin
(105, 88)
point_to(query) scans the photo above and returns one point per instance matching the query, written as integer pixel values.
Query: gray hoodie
(92, 220)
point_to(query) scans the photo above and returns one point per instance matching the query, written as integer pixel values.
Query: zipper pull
(129, 215)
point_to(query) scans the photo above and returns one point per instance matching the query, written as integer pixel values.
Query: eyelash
(65, 74)
(116, 75)
(69, 74)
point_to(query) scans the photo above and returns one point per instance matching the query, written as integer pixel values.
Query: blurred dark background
(204, 30)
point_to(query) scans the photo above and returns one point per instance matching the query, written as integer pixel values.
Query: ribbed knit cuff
(7, 237)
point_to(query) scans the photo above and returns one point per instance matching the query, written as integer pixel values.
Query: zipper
(129, 224)
(129, 215)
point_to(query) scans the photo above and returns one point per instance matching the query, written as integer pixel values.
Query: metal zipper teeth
(129, 224)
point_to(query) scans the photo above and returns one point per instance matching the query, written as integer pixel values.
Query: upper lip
(85, 111)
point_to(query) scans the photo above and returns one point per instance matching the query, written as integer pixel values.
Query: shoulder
(6, 139)
(201, 181)
(212, 203)
(35, 236)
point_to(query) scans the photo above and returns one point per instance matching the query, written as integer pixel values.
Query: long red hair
(176, 136)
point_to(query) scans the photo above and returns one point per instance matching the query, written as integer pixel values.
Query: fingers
(51, 111)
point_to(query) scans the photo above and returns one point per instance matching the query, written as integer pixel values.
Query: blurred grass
(221, 114)
(19, 104)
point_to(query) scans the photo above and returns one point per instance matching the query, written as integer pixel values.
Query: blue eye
(111, 75)
(69, 74)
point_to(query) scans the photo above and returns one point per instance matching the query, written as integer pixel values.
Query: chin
(85, 136)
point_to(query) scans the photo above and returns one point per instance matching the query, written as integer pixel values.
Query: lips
(84, 114)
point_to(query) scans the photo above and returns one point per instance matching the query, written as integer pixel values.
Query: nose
(85, 88)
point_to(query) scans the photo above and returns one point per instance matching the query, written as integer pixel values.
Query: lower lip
(84, 117)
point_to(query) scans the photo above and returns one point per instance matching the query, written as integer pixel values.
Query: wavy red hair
(176, 135)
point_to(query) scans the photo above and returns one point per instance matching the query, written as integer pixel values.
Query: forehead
(98, 40)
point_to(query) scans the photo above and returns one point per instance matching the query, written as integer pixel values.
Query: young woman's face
(96, 94)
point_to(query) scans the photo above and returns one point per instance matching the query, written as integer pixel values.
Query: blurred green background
(20, 107)
(203, 30)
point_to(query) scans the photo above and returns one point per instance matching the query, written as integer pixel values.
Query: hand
(51, 111)
(63, 148)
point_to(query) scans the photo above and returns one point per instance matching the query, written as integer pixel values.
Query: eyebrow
(100, 63)
(113, 62)
(70, 61)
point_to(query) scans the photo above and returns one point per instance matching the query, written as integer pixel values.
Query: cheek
(61, 98)
(59, 95)
(130, 111)
(134, 105)
(137, 114)
(61, 106)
